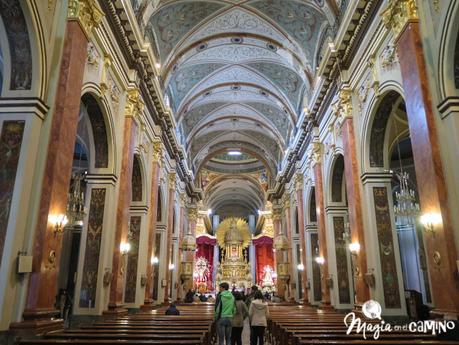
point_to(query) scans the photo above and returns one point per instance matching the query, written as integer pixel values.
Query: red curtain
(205, 249)
(264, 255)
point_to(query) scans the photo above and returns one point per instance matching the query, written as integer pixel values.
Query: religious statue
(267, 277)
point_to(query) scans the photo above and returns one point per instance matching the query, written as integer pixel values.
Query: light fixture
(171, 267)
(354, 248)
(300, 267)
(430, 220)
(75, 203)
(209, 211)
(234, 153)
(59, 221)
(125, 247)
(157, 65)
(320, 260)
(154, 260)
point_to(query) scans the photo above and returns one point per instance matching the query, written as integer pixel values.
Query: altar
(233, 238)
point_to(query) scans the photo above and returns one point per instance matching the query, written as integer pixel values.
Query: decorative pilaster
(170, 224)
(299, 183)
(156, 169)
(86, 13)
(402, 18)
(320, 204)
(344, 113)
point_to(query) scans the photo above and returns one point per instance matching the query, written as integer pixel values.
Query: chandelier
(75, 204)
(406, 208)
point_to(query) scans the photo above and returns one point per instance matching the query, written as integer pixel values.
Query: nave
(289, 324)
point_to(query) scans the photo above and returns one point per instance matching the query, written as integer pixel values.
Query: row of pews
(304, 325)
(194, 326)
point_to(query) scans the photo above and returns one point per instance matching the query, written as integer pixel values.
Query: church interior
(151, 150)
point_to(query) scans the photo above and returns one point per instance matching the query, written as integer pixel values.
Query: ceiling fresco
(238, 73)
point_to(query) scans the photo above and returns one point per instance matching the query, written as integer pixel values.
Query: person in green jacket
(224, 312)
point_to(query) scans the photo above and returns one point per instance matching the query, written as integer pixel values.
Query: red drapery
(205, 249)
(264, 255)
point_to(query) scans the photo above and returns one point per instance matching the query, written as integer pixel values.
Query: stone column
(300, 202)
(188, 248)
(353, 190)
(153, 213)
(133, 108)
(281, 245)
(402, 18)
(320, 205)
(216, 260)
(58, 168)
(170, 224)
(288, 234)
(215, 222)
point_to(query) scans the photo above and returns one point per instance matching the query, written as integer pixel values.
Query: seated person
(189, 296)
(211, 299)
(203, 298)
(172, 310)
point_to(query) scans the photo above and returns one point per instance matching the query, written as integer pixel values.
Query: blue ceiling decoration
(191, 119)
(172, 22)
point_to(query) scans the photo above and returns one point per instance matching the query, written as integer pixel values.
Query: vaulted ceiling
(237, 74)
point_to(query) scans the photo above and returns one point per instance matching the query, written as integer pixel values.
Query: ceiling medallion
(237, 40)
(201, 47)
(271, 47)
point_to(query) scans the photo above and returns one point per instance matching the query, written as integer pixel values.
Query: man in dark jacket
(172, 310)
(224, 312)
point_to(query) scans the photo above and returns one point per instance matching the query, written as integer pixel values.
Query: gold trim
(398, 13)
(134, 104)
(86, 12)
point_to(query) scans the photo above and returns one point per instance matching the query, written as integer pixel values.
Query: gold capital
(172, 180)
(157, 151)
(192, 213)
(398, 13)
(86, 12)
(299, 181)
(134, 104)
(343, 107)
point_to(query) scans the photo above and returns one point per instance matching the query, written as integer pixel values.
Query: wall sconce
(320, 260)
(430, 220)
(300, 267)
(58, 221)
(125, 247)
(154, 260)
(171, 267)
(354, 248)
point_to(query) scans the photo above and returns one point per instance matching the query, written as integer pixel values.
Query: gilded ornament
(299, 181)
(192, 214)
(398, 13)
(157, 151)
(171, 180)
(233, 230)
(86, 12)
(104, 75)
(134, 104)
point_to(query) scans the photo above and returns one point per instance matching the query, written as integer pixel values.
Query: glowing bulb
(300, 267)
(354, 247)
(154, 260)
(234, 153)
(171, 267)
(209, 211)
(431, 219)
(125, 247)
(320, 260)
(157, 65)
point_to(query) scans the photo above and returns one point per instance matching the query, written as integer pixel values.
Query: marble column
(320, 205)
(216, 260)
(170, 225)
(402, 18)
(288, 233)
(153, 213)
(252, 251)
(352, 179)
(133, 108)
(215, 222)
(58, 167)
(300, 203)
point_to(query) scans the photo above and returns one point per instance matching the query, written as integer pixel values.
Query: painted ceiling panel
(237, 21)
(196, 114)
(287, 80)
(186, 78)
(172, 22)
(301, 20)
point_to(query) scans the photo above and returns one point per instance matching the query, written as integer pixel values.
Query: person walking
(238, 319)
(224, 312)
(258, 315)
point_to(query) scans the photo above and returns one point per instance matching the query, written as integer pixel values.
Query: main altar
(233, 238)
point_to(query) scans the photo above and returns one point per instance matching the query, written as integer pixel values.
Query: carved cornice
(134, 104)
(398, 13)
(86, 12)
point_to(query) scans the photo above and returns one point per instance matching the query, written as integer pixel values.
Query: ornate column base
(115, 310)
(37, 322)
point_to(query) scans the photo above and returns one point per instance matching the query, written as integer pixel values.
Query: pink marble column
(40, 313)
(115, 306)
(433, 193)
(280, 286)
(352, 177)
(320, 207)
(299, 199)
(288, 233)
(170, 224)
(152, 224)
